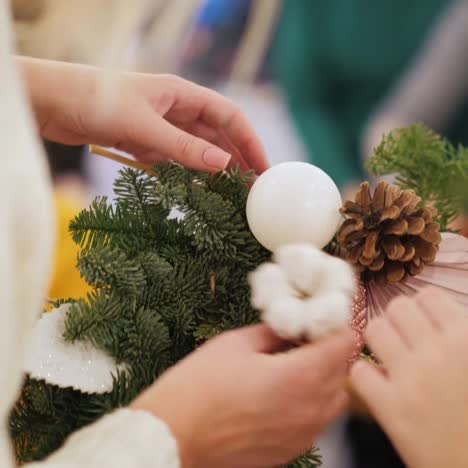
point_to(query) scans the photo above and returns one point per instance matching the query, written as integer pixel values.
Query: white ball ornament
(294, 202)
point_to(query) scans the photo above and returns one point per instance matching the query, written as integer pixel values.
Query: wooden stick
(100, 151)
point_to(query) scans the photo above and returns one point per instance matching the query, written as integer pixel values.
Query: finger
(237, 157)
(222, 114)
(201, 130)
(384, 341)
(161, 136)
(259, 338)
(371, 385)
(332, 408)
(440, 307)
(218, 138)
(150, 157)
(336, 406)
(410, 321)
(329, 355)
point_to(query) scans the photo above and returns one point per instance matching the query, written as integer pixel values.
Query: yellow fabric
(66, 279)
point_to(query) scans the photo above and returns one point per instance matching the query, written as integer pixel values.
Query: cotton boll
(326, 313)
(286, 317)
(303, 265)
(307, 293)
(268, 283)
(337, 275)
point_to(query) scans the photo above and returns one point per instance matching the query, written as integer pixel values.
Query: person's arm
(221, 419)
(153, 117)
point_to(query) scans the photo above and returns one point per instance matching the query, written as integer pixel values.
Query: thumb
(257, 338)
(161, 136)
(370, 385)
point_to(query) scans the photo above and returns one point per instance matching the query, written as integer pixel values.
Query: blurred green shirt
(336, 59)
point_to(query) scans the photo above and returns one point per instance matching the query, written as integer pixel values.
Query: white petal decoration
(449, 272)
(305, 294)
(77, 365)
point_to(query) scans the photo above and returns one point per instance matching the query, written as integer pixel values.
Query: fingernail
(216, 158)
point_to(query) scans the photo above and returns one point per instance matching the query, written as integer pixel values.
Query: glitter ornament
(77, 365)
(294, 202)
(359, 318)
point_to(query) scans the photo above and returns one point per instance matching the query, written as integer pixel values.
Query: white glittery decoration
(77, 365)
(305, 293)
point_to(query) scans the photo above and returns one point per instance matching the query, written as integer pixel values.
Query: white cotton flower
(268, 283)
(326, 313)
(302, 266)
(306, 294)
(337, 274)
(284, 315)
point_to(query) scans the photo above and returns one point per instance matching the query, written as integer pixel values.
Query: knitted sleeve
(122, 439)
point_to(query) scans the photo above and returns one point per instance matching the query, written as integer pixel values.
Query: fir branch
(110, 268)
(154, 265)
(135, 193)
(145, 342)
(93, 319)
(428, 164)
(233, 186)
(308, 460)
(153, 301)
(212, 222)
(102, 224)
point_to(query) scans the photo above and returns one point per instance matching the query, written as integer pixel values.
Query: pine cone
(386, 235)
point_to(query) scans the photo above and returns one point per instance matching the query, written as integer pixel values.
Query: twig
(100, 151)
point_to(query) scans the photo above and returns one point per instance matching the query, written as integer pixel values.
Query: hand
(421, 399)
(153, 117)
(232, 403)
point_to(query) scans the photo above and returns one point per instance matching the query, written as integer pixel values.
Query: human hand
(421, 398)
(153, 117)
(233, 403)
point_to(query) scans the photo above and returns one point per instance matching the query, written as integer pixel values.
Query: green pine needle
(428, 164)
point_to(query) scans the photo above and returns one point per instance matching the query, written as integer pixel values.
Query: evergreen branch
(135, 193)
(145, 342)
(93, 320)
(153, 301)
(110, 268)
(212, 222)
(233, 187)
(154, 265)
(308, 460)
(102, 224)
(428, 164)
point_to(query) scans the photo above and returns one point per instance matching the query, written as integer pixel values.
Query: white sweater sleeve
(123, 439)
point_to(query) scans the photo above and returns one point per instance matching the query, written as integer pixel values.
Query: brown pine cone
(386, 235)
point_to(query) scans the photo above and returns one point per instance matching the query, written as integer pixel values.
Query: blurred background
(321, 81)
